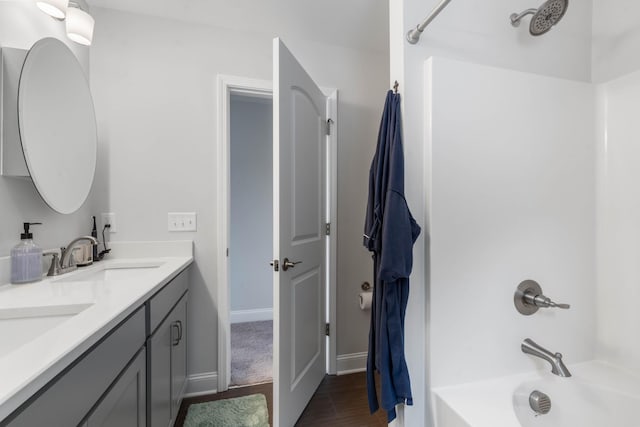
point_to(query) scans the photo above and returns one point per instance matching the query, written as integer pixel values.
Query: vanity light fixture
(55, 8)
(79, 24)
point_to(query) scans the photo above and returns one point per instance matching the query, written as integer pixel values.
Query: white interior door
(299, 169)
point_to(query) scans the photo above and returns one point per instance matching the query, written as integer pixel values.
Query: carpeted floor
(251, 352)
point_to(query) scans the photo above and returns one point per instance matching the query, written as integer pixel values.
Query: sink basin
(110, 274)
(18, 326)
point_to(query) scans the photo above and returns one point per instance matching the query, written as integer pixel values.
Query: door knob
(286, 264)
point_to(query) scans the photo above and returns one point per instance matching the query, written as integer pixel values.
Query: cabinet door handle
(175, 327)
(179, 330)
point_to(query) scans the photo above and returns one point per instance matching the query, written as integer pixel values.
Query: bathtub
(598, 394)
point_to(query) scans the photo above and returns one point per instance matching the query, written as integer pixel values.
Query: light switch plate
(182, 221)
(110, 218)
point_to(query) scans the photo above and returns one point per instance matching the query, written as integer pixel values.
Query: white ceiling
(360, 24)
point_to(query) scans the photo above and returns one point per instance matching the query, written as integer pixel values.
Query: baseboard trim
(351, 363)
(241, 316)
(204, 383)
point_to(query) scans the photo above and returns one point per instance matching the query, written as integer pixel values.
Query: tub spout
(557, 366)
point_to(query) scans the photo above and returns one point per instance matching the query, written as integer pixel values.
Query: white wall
(481, 32)
(512, 198)
(21, 25)
(616, 39)
(478, 32)
(251, 217)
(154, 86)
(619, 222)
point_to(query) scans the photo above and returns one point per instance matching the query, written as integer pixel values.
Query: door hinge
(329, 123)
(227, 251)
(327, 228)
(327, 329)
(275, 265)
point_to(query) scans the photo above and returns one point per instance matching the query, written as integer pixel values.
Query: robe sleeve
(399, 232)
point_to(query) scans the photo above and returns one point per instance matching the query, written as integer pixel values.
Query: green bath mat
(245, 411)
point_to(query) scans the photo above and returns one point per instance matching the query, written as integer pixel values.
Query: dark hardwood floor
(339, 401)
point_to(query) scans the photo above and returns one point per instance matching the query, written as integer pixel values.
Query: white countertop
(29, 366)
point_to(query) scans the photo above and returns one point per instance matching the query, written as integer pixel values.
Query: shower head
(545, 17)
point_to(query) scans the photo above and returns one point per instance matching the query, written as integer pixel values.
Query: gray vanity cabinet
(67, 399)
(135, 376)
(168, 366)
(125, 404)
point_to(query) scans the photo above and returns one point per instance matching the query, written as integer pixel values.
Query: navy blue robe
(390, 232)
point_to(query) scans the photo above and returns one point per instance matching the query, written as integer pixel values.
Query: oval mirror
(57, 125)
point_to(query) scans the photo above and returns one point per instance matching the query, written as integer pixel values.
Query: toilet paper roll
(365, 300)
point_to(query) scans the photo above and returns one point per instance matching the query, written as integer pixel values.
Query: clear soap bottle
(26, 258)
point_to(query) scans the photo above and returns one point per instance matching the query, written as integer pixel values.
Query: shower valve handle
(542, 301)
(529, 297)
(559, 305)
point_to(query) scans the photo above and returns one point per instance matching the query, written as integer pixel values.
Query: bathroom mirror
(57, 124)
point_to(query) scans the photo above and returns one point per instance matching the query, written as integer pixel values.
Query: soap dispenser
(26, 258)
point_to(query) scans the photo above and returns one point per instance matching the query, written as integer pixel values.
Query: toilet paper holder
(365, 286)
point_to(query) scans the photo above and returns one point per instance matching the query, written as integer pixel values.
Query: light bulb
(55, 8)
(80, 26)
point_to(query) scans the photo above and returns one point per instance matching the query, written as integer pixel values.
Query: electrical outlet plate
(181, 221)
(110, 218)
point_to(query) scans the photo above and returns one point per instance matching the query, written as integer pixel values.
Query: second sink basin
(110, 274)
(19, 326)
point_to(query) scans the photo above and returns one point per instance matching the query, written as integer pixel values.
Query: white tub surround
(618, 316)
(511, 197)
(60, 318)
(597, 394)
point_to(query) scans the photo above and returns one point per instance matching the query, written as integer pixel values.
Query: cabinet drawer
(163, 301)
(67, 399)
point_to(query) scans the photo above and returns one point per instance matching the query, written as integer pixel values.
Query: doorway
(228, 87)
(251, 239)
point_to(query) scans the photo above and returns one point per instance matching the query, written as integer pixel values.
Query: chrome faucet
(63, 264)
(65, 253)
(557, 366)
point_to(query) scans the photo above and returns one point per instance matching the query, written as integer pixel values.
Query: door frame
(227, 85)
